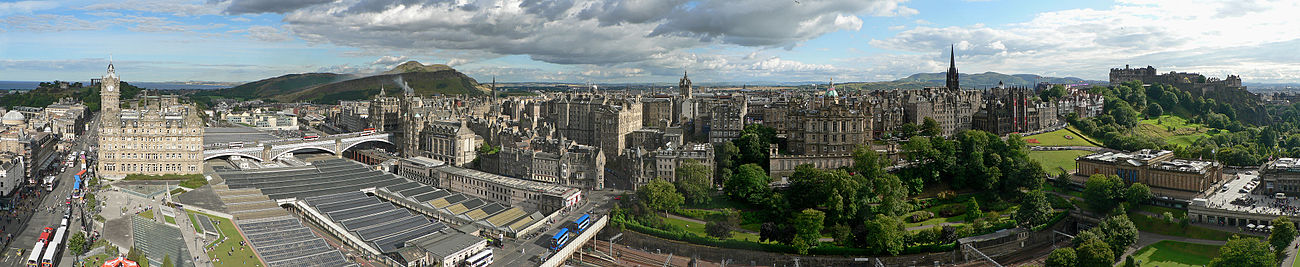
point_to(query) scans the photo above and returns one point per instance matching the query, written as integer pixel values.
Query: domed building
(13, 118)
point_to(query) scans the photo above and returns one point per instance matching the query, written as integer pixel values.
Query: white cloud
(1087, 42)
(267, 34)
(389, 60)
(603, 32)
(25, 7)
(176, 7)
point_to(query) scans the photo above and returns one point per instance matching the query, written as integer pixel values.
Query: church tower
(684, 85)
(952, 70)
(109, 93)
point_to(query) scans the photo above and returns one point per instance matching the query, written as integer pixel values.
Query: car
(618, 198)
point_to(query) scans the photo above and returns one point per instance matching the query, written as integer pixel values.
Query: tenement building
(1281, 176)
(601, 120)
(157, 135)
(827, 126)
(1177, 178)
(554, 161)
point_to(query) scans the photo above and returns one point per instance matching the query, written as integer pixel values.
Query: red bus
(368, 131)
(310, 137)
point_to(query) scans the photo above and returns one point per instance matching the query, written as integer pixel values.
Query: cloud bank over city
(645, 40)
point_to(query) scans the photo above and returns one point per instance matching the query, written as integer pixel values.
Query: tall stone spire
(684, 86)
(952, 69)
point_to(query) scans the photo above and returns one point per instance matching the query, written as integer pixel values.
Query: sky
(613, 41)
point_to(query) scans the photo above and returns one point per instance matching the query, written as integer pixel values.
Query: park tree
(725, 156)
(1061, 257)
(77, 243)
(775, 231)
(1124, 115)
(752, 149)
(1034, 210)
(842, 234)
(930, 127)
(835, 192)
(693, 181)
(1154, 110)
(1137, 194)
(721, 226)
(808, 227)
(892, 194)
(749, 184)
(1052, 93)
(1128, 261)
(884, 235)
(1118, 232)
(167, 261)
(1284, 232)
(907, 130)
(1243, 252)
(973, 210)
(660, 195)
(1100, 192)
(1094, 253)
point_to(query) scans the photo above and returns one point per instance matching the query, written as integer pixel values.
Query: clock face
(111, 88)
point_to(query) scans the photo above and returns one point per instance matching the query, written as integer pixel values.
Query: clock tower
(109, 93)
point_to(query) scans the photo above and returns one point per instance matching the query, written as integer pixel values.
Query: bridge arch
(227, 154)
(380, 140)
(331, 151)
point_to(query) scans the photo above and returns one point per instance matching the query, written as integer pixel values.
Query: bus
(310, 137)
(34, 259)
(560, 239)
(52, 250)
(51, 182)
(368, 131)
(582, 223)
(236, 144)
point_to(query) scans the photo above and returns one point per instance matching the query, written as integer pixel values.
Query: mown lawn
(1174, 254)
(230, 244)
(1155, 225)
(1055, 161)
(1060, 137)
(148, 214)
(698, 229)
(1178, 213)
(169, 219)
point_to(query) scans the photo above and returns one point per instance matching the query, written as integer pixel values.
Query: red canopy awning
(120, 262)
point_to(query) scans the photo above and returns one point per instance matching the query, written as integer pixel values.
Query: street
(46, 211)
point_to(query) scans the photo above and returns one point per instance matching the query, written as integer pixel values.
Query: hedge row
(825, 249)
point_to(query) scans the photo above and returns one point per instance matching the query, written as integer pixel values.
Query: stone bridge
(272, 149)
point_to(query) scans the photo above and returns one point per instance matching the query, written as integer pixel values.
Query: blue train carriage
(560, 239)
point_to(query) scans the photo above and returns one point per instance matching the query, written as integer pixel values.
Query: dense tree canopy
(1034, 210)
(749, 184)
(1283, 233)
(1244, 252)
(660, 195)
(693, 181)
(884, 235)
(808, 227)
(1061, 257)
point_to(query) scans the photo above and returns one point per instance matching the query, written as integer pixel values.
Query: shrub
(952, 210)
(920, 216)
(947, 195)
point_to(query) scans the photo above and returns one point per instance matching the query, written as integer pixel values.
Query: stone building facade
(1191, 82)
(827, 126)
(1281, 176)
(157, 135)
(602, 120)
(1014, 110)
(561, 162)
(1158, 169)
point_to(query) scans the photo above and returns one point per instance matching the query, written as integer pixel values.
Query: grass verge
(1057, 160)
(1174, 254)
(1154, 225)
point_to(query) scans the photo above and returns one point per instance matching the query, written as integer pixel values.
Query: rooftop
(515, 183)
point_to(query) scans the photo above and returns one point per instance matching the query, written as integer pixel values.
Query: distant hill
(423, 80)
(332, 87)
(975, 81)
(413, 66)
(272, 87)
